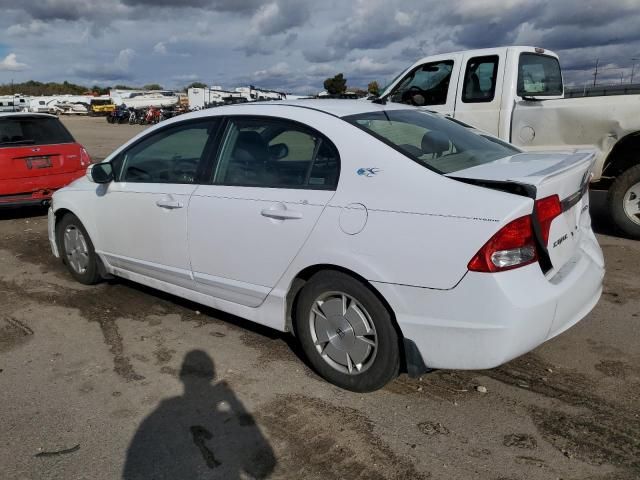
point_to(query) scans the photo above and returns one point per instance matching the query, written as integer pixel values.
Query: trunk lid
(38, 160)
(543, 175)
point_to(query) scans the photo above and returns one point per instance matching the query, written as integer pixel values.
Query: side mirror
(100, 172)
(278, 151)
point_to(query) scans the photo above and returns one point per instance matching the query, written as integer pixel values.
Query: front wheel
(76, 250)
(347, 333)
(624, 202)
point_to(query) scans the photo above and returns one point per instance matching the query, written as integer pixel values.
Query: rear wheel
(76, 250)
(347, 333)
(624, 202)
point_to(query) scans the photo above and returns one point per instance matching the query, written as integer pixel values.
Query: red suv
(38, 155)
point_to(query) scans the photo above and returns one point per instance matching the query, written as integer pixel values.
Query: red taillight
(547, 209)
(85, 159)
(512, 247)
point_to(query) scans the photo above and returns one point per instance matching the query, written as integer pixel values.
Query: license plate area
(38, 162)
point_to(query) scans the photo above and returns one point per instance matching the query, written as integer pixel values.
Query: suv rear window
(26, 130)
(436, 143)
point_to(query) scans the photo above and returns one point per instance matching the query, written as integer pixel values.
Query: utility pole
(595, 73)
(633, 68)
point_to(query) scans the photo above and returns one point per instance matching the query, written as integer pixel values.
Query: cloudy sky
(293, 45)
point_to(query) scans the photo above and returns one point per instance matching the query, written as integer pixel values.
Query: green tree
(196, 85)
(152, 86)
(373, 88)
(32, 87)
(336, 85)
(98, 90)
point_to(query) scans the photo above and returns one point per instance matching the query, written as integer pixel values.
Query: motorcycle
(119, 115)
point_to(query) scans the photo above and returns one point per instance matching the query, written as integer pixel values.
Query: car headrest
(251, 147)
(435, 142)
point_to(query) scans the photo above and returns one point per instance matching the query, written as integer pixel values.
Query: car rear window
(539, 75)
(25, 130)
(436, 143)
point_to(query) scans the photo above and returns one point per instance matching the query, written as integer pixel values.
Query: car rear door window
(32, 130)
(172, 155)
(269, 152)
(480, 79)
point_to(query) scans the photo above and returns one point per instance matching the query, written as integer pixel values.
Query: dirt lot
(90, 386)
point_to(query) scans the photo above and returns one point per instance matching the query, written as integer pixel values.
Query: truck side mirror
(100, 172)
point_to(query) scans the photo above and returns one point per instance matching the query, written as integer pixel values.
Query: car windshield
(26, 130)
(436, 143)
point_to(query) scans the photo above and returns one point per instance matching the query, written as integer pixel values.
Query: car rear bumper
(489, 319)
(14, 201)
(34, 190)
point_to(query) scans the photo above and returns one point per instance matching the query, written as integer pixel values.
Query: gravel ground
(91, 385)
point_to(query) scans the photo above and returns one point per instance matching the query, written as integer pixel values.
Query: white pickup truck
(516, 94)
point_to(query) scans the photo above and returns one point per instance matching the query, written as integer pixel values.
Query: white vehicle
(13, 103)
(383, 237)
(200, 98)
(517, 93)
(215, 96)
(144, 98)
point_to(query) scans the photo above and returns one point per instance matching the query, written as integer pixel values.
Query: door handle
(169, 204)
(281, 214)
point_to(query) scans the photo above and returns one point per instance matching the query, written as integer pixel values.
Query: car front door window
(171, 156)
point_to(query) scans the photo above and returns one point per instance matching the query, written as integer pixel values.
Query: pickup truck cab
(517, 94)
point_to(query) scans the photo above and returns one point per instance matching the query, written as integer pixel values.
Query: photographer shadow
(205, 433)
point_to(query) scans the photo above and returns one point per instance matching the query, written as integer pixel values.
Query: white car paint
(408, 231)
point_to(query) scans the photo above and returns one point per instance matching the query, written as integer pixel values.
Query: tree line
(34, 88)
(337, 85)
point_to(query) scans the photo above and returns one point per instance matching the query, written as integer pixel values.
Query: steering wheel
(412, 92)
(137, 174)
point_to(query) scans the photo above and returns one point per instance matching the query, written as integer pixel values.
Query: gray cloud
(280, 16)
(295, 44)
(119, 69)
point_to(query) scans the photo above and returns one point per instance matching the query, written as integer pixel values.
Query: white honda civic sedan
(385, 238)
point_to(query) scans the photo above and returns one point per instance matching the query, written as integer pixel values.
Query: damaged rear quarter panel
(590, 122)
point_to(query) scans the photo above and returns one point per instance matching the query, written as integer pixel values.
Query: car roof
(335, 107)
(26, 114)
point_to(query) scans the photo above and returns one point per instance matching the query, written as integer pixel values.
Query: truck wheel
(347, 333)
(624, 202)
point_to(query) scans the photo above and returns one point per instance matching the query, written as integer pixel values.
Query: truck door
(480, 92)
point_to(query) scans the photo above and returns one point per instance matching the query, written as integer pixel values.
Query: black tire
(90, 275)
(382, 366)
(616, 199)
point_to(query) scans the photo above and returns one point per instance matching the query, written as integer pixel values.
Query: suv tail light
(547, 209)
(85, 159)
(511, 247)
